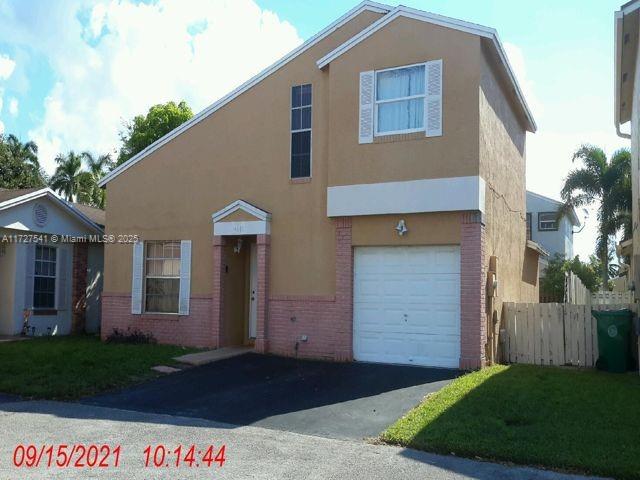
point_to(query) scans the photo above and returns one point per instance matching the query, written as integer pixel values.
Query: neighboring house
(627, 109)
(553, 234)
(58, 282)
(344, 204)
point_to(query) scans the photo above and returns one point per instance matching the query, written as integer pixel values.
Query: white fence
(611, 298)
(551, 333)
(575, 292)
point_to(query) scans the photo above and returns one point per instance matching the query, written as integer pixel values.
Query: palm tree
(97, 167)
(23, 152)
(607, 182)
(69, 180)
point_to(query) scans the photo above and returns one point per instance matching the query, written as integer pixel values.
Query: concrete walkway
(251, 452)
(202, 358)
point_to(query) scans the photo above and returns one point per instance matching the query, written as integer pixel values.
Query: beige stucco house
(355, 200)
(627, 111)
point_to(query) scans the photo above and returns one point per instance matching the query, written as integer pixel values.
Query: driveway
(336, 400)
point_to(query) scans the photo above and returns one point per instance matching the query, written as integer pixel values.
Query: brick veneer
(326, 320)
(79, 287)
(193, 330)
(217, 298)
(473, 335)
(262, 295)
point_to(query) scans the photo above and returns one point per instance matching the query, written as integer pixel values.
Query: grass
(66, 368)
(566, 419)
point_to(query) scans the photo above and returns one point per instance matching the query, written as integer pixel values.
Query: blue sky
(82, 67)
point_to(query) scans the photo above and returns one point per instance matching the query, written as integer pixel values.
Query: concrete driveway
(335, 400)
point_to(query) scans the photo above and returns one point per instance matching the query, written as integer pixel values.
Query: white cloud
(7, 66)
(13, 106)
(518, 64)
(111, 68)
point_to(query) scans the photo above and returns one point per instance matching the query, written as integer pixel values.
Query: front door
(253, 290)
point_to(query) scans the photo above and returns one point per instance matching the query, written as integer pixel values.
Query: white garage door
(406, 305)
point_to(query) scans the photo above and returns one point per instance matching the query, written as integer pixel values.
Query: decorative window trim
(377, 102)
(541, 221)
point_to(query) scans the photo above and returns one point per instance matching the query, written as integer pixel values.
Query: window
(528, 226)
(44, 278)
(400, 98)
(301, 131)
(547, 221)
(162, 276)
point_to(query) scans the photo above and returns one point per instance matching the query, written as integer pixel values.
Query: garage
(406, 305)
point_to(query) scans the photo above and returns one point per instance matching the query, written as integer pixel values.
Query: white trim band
(413, 196)
(258, 227)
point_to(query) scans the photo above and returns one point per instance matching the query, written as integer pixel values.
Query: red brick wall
(473, 335)
(326, 320)
(192, 331)
(79, 287)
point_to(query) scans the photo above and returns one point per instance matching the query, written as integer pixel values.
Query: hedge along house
(58, 283)
(345, 203)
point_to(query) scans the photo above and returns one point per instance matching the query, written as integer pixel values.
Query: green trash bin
(614, 327)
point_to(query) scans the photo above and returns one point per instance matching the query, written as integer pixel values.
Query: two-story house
(345, 203)
(627, 111)
(553, 232)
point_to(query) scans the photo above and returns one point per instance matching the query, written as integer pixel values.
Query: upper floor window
(162, 276)
(44, 278)
(400, 100)
(301, 131)
(547, 221)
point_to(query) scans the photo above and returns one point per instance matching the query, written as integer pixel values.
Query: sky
(73, 71)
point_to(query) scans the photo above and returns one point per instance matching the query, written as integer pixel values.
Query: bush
(134, 336)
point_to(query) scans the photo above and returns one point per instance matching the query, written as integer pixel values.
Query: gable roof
(96, 215)
(218, 104)
(453, 23)
(12, 198)
(241, 205)
(390, 14)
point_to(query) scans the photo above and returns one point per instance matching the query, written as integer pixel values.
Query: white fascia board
(240, 205)
(413, 196)
(354, 12)
(55, 198)
(441, 20)
(257, 227)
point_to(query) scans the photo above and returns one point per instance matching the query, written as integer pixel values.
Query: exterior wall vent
(40, 214)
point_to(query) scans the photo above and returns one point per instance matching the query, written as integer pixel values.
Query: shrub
(134, 336)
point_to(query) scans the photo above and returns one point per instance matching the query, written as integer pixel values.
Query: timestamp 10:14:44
(161, 456)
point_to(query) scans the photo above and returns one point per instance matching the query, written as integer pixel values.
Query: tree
(146, 129)
(609, 183)
(69, 180)
(19, 166)
(552, 284)
(97, 167)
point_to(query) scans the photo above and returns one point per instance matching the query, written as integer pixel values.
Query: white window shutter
(185, 277)
(433, 99)
(136, 278)
(366, 107)
(29, 274)
(61, 280)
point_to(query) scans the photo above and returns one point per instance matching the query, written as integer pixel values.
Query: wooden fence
(574, 290)
(551, 333)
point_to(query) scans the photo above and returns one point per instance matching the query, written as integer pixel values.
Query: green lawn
(576, 420)
(73, 367)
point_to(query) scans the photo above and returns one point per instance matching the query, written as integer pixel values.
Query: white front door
(406, 305)
(253, 290)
